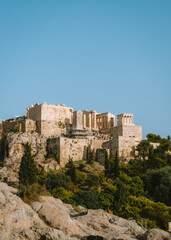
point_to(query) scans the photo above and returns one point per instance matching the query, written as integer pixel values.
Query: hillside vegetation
(139, 189)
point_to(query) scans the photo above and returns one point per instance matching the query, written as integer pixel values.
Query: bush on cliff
(89, 199)
(56, 180)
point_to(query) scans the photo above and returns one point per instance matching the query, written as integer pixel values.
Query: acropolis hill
(70, 133)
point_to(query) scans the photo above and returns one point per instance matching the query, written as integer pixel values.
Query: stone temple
(70, 133)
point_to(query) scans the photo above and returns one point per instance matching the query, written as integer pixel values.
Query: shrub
(89, 199)
(64, 195)
(93, 180)
(142, 207)
(107, 197)
(80, 177)
(56, 180)
(30, 193)
(71, 170)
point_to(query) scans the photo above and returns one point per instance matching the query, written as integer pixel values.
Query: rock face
(19, 221)
(55, 214)
(14, 150)
(50, 219)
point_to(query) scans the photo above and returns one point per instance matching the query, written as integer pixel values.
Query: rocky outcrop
(19, 221)
(51, 219)
(14, 150)
(56, 215)
(156, 234)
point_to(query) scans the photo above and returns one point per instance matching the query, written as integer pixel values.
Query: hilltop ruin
(70, 133)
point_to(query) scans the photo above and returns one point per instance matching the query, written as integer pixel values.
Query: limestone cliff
(14, 150)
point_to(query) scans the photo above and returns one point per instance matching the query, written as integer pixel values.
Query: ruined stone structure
(126, 136)
(70, 133)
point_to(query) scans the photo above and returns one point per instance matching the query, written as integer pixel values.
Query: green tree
(89, 199)
(80, 177)
(63, 194)
(56, 180)
(116, 168)
(120, 196)
(153, 138)
(28, 169)
(142, 207)
(90, 155)
(93, 180)
(133, 168)
(107, 197)
(169, 137)
(106, 164)
(71, 170)
(158, 184)
(143, 148)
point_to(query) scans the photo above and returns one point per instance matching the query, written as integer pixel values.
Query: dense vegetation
(139, 189)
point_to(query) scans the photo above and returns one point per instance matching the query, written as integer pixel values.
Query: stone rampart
(51, 119)
(24, 125)
(64, 148)
(125, 140)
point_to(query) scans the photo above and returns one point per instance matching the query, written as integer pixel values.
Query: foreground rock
(156, 234)
(19, 221)
(50, 219)
(56, 215)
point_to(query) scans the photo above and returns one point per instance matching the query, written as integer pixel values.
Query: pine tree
(116, 168)
(71, 170)
(28, 169)
(106, 164)
(90, 155)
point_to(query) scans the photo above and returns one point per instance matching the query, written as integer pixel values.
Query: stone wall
(25, 125)
(13, 126)
(64, 148)
(34, 112)
(102, 155)
(30, 126)
(51, 119)
(125, 140)
(57, 113)
(53, 128)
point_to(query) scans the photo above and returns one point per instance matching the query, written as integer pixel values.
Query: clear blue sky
(112, 55)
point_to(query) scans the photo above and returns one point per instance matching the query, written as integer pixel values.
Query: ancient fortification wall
(126, 136)
(51, 119)
(64, 148)
(24, 125)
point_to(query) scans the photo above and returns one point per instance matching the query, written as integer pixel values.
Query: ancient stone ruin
(71, 133)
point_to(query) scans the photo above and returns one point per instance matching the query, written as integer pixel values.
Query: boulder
(156, 234)
(56, 215)
(19, 221)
